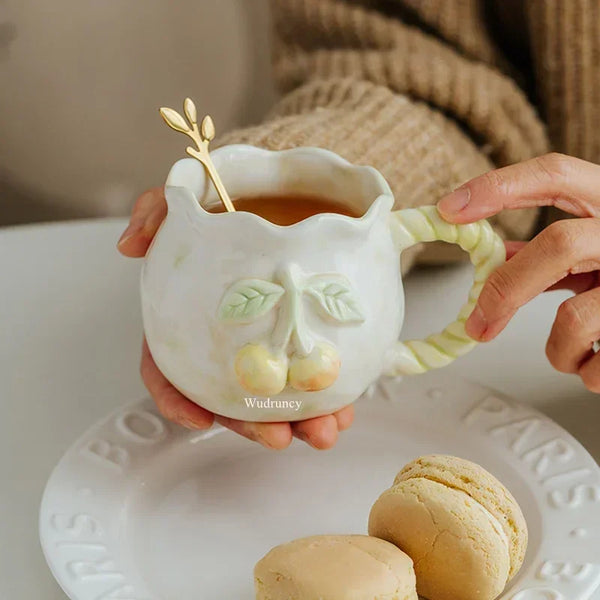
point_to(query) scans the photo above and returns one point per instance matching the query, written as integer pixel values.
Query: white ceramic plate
(139, 509)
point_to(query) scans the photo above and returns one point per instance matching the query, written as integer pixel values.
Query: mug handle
(486, 251)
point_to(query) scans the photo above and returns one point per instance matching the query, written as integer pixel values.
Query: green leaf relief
(335, 297)
(248, 299)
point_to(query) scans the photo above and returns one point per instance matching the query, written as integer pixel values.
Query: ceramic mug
(262, 322)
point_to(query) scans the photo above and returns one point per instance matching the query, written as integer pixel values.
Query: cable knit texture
(421, 90)
(566, 43)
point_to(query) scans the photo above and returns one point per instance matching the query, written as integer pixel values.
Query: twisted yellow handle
(486, 251)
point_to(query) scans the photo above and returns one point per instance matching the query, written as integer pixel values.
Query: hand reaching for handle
(565, 255)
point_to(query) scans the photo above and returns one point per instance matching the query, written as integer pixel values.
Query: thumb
(148, 213)
(483, 196)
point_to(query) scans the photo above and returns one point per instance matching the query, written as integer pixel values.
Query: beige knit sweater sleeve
(565, 40)
(430, 111)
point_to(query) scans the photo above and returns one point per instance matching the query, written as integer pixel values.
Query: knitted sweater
(435, 92)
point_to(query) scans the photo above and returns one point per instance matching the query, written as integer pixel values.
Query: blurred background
(81, 82)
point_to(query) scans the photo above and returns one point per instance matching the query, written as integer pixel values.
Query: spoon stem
(202, 137)
(205, 159)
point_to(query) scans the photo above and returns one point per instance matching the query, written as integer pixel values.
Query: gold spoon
(202, 138)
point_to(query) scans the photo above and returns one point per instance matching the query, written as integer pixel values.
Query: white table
(70, 331)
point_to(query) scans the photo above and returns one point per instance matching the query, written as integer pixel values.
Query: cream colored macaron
(463, 529)
(335, 567)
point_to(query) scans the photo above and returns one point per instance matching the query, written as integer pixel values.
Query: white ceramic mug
(262, 322)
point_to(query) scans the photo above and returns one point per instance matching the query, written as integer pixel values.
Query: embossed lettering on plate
(517, 432)
(490, 405)
(542, 456)
(564, 571)
(141, 426)
(554, 462)
(575, 496)
(84, 570)
(76, 525)
(107, 454)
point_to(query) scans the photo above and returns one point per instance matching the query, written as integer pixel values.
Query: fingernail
(132, 229)
(455, 202)
(259, 437)
(476, 325)
(307, 440)
(188, 424)
(250, 431)
(191, 424)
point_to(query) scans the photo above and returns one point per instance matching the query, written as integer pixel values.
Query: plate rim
(540, 591)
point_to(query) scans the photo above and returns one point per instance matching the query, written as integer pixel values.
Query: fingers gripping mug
(237, 309)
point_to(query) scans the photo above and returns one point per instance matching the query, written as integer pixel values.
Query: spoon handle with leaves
(202, 137)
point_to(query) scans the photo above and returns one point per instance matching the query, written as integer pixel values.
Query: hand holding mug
(565, 255)
(321, 433)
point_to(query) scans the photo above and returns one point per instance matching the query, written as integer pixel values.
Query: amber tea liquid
(287, 210)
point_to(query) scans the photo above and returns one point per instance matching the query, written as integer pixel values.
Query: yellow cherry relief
(259, 371)
(316, 371)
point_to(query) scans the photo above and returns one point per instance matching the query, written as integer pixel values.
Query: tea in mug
(287, 210)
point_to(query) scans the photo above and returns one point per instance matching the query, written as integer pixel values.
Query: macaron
(463, 529)
(335, 567)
